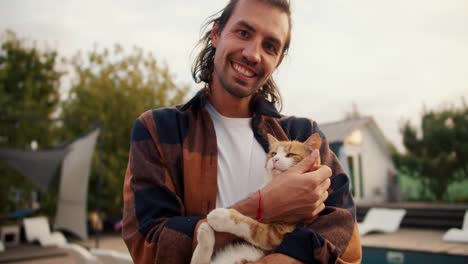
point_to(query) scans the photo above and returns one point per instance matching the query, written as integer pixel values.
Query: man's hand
(298, 194)
(276, 258)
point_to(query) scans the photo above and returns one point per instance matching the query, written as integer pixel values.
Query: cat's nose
(275, 160)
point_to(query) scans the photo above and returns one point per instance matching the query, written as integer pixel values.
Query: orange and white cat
(259, 237)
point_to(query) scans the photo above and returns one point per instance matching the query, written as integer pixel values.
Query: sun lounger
(38, 229)
(458, 235)
(107, 256)
(80, 254)
(12, 232)
(381, 220)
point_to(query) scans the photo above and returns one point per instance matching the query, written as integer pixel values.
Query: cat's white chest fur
(231, 254)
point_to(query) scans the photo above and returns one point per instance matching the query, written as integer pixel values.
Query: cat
(261, 237)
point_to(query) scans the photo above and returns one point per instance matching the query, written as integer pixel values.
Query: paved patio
(114, 242)
(403, 239)
(35, 254)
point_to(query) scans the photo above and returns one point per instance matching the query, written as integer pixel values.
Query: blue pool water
(373, 255)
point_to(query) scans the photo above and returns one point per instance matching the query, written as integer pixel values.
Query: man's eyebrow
(247, 25)
(274, 40)
(251, 28)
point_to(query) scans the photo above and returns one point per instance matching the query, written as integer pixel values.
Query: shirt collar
(259, 105)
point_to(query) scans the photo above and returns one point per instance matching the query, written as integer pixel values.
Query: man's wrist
(248, 206)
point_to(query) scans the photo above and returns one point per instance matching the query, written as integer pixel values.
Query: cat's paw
(205, 235)
(206, 241)
(220, 220)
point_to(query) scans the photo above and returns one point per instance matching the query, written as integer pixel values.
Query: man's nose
(252, 52)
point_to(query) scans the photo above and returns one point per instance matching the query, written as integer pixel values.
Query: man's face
(249, 48)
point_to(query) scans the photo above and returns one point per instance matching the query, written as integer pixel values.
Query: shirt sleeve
(333, 236)
(155, 228)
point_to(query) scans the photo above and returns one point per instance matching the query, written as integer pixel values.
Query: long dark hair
(203, 66)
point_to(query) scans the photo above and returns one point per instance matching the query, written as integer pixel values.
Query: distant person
(210, 152)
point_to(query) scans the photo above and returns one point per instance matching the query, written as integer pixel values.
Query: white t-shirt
(241, 159)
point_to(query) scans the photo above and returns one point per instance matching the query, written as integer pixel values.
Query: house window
(361, 180)
(355, 170)
(351, 174)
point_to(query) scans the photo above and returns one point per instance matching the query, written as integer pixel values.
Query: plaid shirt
(171, 183)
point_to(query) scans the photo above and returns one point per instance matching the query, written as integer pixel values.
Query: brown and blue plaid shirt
(171, 183)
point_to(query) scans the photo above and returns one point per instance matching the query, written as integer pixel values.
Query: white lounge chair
(107, 256)
(458, 235)
(38, 229)
(381, 220)
(80, 254)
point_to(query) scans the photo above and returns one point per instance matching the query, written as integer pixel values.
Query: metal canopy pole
(99, 184)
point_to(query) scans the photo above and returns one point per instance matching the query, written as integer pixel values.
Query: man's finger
(306, 164)
(324, 196)
(322, 173)
(275, 172)
(318, 209)
(325, 185)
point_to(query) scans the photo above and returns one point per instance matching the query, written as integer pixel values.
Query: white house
(365, 153)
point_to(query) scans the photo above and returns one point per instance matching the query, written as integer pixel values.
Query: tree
(29, 88)
(29, 85)
(438, 154)
(113, 88)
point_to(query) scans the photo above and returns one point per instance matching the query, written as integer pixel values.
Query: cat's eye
(290, 155)
(273, 154)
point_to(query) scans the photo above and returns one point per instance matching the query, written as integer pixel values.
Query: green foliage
(29, 86)
(438, 155)
(114, 88)
(412, 190)
(109, 87)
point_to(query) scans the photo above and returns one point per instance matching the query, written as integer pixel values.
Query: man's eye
(243, 33)
(271, 48)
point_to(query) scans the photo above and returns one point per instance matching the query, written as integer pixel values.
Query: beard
(234, 90)
(237, 87)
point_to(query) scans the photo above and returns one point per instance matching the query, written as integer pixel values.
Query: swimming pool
(374, 255)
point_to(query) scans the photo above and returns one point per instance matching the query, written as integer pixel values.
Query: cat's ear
(271, 139)
(314, 141)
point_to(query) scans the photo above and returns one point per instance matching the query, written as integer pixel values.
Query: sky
(389, 58)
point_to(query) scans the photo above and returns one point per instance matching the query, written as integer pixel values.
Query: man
(210, 152)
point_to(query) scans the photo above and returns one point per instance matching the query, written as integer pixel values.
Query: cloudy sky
(388, 57)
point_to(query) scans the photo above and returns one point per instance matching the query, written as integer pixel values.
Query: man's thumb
(306, 164)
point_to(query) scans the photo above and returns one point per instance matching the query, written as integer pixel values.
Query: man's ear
(214, 35)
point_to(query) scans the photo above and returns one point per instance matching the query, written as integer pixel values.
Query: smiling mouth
(242, 70)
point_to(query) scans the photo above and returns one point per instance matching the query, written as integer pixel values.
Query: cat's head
(284, 154)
